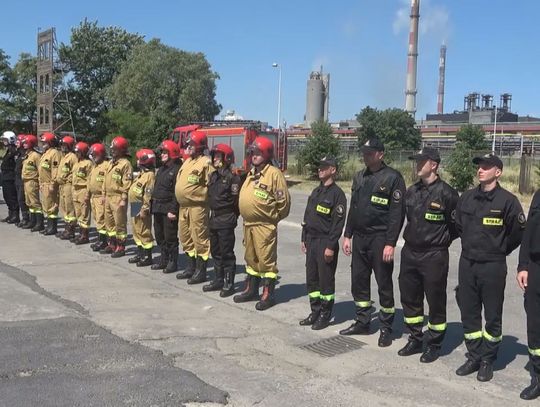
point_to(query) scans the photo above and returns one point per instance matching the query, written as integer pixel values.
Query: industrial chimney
(410, 93)
(442, 69)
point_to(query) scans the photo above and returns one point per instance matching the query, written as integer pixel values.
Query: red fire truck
(239, 135)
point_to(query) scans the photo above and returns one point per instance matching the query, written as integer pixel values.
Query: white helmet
(9, 137)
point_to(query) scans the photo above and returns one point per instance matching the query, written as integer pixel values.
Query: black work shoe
(467, 368)
(431, 354)
(322, 322)
(214, 285)
(485, 373)
(411, 348)
(310, 320)
(355, 329)
(385, 338)
(533, 391)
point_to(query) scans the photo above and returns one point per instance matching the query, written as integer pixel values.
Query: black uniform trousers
(166, 231)
(367, 254)
(10, 195)
(532, 308)
(424, 272)
(21, 199)
(222, 248)
(481, 284)
(320, 275)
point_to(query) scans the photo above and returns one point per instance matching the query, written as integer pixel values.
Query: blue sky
(492, 47)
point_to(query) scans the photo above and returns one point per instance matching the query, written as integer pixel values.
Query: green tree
(6, 81)
(395, 127)
(470, 139)
(321, 143)
(159, 87)
(93, 58)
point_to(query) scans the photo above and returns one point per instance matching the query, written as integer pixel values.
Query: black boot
(39, 223)
(324, 316)
(111, 246)
(31, 222)
(47, 224)
(163, 259)
(100, 244)
(69, 231)
(52, 224)
(172, 263)
(315, 304)
(146, 259)
(190, 268)
(137, 258)
(200, 272)
(120, 250)
(267, 297)
(251, 290)
(5, 220)
(217, 283)
(83, 237)
(228, 284)
(533, 391)
(25, 220)
(74, 237)
(412, 347)
(14, 217)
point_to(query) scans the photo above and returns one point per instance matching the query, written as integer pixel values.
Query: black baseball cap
(489, 159)
(429, 153)
(328, 161)
(373, 144)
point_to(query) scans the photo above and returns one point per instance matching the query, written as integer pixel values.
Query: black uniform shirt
(163, 198)
(223, 190)
(530, 245)
(430, 215)
(8, 165)
(490, 224)
(377, 204)
(325, 214)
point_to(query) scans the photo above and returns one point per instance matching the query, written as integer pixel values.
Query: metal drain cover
(336, 345)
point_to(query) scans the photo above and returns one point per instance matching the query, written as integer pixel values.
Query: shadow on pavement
(510, 348)
(289, 292)
(453, 338)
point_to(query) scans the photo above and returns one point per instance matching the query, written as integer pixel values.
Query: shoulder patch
(340, 210)
(129, 176)
(280, 194)
(397, 195)
(235, 188)
(453, 215)
(522, 219)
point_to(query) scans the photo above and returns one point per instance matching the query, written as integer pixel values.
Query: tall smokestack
(442, 69)
(410, 93)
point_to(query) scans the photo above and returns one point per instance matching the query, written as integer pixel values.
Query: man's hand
(522, 279)
(346, 246)
(171, 216)
(303, 247)
(328, 255)
(388, 254)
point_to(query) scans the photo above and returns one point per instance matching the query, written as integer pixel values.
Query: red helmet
(262, 146)
(226, 150)
(198, 140)
(20, 140)
(97, 150)
(69, 142)
(120, 144)
(146, 157)
(81, 147)
(48, 138)
(172, 148)
(30, 142)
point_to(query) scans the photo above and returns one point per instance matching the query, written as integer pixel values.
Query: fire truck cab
(238, 135)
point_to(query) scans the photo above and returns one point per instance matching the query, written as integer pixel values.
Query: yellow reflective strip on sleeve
(137, 242)
(121, 236)
(322, 209)
(269, 274)
(434, 216)
(252, 272)
(363, 304)
(328, 297)
(437, 327)
(414, 320)
(492, 222)
(205, 258)
(102, 232)
(111, 234)
(379, 200)
(492, 338)
(534, 352)
(147, 246)
(391, 310)
(473, 335)
(53, 216)
(314, 294)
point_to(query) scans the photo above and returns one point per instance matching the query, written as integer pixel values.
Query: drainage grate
(333, 346)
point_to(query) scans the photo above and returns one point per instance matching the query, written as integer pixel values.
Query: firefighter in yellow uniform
(64, 180)
(118, 179)
(48, 170)
(95, 190)
(192, 194)
(264, 201)
(81, 197)
(140, 195)
(30, 178)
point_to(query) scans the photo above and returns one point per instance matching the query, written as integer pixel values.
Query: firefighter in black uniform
(490, 222)
(19, 158)
(375, 219)
(528, 278)
(430, 230)
(7, 167)
(165, 207)
(323, 223)
(223, 189)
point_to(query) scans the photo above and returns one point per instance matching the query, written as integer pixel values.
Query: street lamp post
(276, 65)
